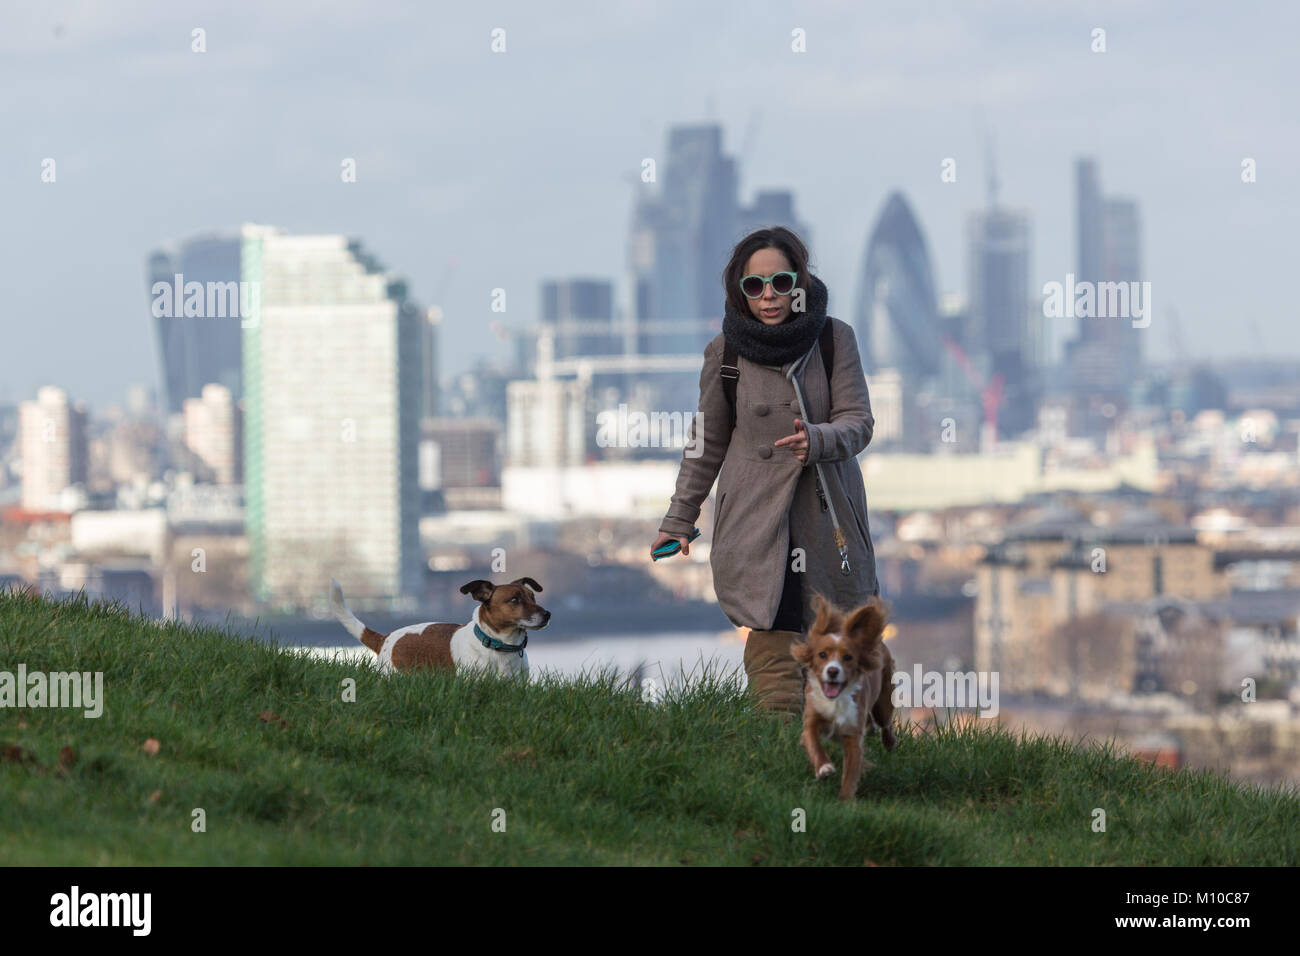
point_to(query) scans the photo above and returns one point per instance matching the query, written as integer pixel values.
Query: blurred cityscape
(1118, 539)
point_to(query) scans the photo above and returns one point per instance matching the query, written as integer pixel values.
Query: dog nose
(832, 671)
(546, 615)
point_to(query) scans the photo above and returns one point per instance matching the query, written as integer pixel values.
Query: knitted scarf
(778, 344)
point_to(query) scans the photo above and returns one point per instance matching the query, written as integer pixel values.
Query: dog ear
(865, 626)
(802, 652)
(528, 581)
(479, 590)
(827, 616)
(867, 620)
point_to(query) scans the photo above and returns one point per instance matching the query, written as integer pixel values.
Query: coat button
(764, 451)
(760, 410)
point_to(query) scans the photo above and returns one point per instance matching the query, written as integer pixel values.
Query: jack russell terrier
(494, 639)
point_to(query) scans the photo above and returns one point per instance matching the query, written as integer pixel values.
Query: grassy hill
(418, 767)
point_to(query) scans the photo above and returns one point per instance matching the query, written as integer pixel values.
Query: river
(662, 656)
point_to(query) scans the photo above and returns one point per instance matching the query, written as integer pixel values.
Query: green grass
(412, 771)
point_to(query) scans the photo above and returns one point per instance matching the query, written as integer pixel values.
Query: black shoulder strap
(730, 368)
(730, 371)
(828, 350)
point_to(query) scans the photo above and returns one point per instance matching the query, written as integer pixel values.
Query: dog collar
(488, 641)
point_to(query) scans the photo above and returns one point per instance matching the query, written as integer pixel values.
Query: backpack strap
(828, 350)
(730, 368)
(730, 372)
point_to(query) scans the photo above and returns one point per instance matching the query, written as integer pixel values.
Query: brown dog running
(848, 683)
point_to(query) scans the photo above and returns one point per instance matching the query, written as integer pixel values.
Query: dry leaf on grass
(151, 747)
(15, 754)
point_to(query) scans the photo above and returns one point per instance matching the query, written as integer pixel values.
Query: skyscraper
(430, 403)
(772, 207)
(897, 319)
(332, 371)
(212, 432)
(1088, 220)
(580, 313)
(681, 240)
(1105, 356)
(52, 445)
(1004, 333)
(547, 423)
(897, 324)
(196, 349)
(1122, 262)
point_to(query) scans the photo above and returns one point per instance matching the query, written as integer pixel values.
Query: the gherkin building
(897, 320)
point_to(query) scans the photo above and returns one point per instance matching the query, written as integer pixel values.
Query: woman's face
(769, 308)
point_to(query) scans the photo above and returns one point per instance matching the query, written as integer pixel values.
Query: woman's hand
(798, 442)
(664, 537)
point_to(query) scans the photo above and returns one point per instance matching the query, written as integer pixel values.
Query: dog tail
(372, 639)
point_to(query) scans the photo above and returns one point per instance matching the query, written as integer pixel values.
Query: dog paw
(888, 738)
(825, 770)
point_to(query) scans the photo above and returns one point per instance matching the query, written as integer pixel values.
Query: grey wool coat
(767, 503)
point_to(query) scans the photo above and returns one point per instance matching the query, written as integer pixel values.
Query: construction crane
(443, 280)
(990, 391)
(1176, 338)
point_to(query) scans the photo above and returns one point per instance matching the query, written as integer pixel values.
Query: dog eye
(515, 599)
(822, 655)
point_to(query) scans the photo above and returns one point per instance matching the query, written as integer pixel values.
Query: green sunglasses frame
(767, 280)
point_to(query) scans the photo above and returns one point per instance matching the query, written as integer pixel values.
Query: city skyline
(888, 127)
(425, 306)
(199, 290)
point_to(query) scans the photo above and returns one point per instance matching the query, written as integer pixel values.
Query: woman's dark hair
(777, 237)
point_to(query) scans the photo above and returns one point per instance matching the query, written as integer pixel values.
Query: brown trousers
(774, 678)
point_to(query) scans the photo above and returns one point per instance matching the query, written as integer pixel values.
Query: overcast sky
(514, 167)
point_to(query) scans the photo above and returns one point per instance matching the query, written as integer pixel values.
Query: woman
(774, 539)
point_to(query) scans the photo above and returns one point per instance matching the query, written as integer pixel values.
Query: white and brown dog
(848, 686)
(494, 639)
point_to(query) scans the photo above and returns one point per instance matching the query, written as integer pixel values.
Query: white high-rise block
(52, 445)
(332, 387)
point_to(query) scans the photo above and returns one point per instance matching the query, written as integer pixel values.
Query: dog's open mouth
(832, 688)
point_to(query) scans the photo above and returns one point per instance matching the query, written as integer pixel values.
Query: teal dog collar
(488, 641)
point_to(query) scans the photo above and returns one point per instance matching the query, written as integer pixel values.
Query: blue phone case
(669, 548)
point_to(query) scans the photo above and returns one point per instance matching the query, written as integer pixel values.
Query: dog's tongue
(831, 690)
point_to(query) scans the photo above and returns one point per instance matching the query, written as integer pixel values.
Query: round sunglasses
(782, 283)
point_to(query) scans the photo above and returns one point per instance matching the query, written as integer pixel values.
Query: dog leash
(840, 541)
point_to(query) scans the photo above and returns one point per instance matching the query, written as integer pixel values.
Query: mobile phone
(669, 548)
